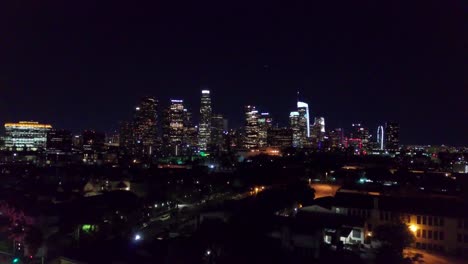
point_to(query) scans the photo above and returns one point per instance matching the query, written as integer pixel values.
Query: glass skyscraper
(204, 129)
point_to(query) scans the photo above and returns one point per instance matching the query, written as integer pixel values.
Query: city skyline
(88, 67)
(162, 106)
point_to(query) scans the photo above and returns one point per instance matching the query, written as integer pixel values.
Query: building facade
(392, 132)
(217, 133)
(380, 137)
(298, 134)
(438, 224)
(144, 132)
(204, 128)
(336, 137)
(280, 137)
(251, 137)
(264, 124)
(26, 135)
(173, 129)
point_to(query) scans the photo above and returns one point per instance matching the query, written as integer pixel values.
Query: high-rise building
(58, 146)
(93, 146)
(217, 133)
(297, 131)
(126, 142)
(392, 132)
(264, 123)
(336, 137)
(280, 137)
(318, 132)
(173, 133)
(26, 135)
(304, 120)
(204, 129)
(380, 137)
(362, 133)
(145, 127)
(190, 135)
(251, 127)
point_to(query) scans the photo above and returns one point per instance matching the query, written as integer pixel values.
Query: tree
(394, 238)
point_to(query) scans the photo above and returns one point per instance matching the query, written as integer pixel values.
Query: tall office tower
(361, 133)
(318, 132)
(380, 137)
(58, 146)
(126, 142)
(251, 127)
(217, 133)
(174, 127)
(336, 137)
(304, 120)
(264, 123)
(280, 137)
(392, 131)
(26, 135)
(320, 123)
(145, 127)
(190, 135)
(204, 129)
(298, 133)
(93, 145)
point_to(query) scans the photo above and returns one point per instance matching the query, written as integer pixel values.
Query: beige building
(438, 223)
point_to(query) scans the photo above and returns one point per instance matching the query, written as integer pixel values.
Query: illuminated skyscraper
(204, 129)
(264, 123)
(362, 133)
(26, 135)
(173, 129)
(298, 132)
(251, 127)
(144, 131)
(336, 137)
(304, 120)
(318, 132)
(380, 137)
(392, 132)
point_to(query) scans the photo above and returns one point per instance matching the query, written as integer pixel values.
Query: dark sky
(78, 64)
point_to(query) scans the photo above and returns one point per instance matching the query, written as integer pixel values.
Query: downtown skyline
(92, 64)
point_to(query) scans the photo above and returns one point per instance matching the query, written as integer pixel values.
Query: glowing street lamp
(413, 228)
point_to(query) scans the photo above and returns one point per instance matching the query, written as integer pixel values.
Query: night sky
(77, 65)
